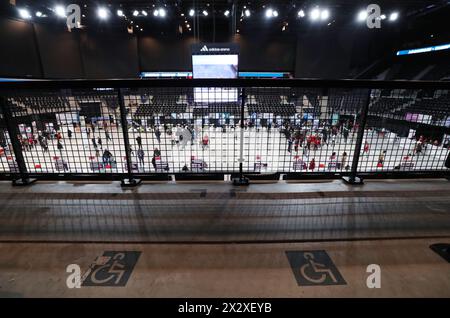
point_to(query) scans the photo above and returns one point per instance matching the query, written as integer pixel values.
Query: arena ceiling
(225, 17)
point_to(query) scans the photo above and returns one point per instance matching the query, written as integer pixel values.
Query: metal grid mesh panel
(200, 129)
(301, 129)
(407, 130)
(7, 159)
(64, 131)
(177, 130)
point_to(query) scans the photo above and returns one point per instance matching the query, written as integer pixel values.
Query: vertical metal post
(241, 180)
(20, 178)
(131, 181)
(353, 178)
(233, 18)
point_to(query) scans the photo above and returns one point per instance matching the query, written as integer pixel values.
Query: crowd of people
(179, 136)
(30, 140)
(301, 140)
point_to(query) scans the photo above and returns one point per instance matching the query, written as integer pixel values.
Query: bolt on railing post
(353, 178)
(241, 180)
(20, 178)
(131, 181)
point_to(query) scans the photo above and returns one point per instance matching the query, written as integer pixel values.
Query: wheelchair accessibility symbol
(314, 268)
(111, 269)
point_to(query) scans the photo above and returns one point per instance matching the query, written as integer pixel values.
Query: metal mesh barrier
(177, 132)
(81, 130)
(301, 129)
(65, 131)
(7, 159)
(407, 130)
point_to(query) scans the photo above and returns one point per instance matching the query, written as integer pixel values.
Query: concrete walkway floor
(408, 268)
(219, 212)
(201, 239)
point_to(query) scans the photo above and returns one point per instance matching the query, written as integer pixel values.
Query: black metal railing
(137, 129)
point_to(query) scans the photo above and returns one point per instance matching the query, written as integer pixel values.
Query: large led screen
(215, 66)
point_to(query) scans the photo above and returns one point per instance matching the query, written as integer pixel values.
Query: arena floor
(264, 151)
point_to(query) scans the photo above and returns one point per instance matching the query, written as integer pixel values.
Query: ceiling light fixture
(24, 14)
(60, 11)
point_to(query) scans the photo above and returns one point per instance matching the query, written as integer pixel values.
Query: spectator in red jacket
(312, 164)
(366, 147)
(205, 141)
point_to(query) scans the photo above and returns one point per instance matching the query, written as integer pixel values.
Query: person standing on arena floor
(289, 145)
(312, 164)
(26, 144)
(205, 142)
(107, 157)
(325, 135)
(333, 156)
(309, 140)
(31, 142)
(366, 148)
(94, 143)
(334, 131)
(139, 141)
(191, 131)
(344, 160)
(156, 154)
(60, 147)
(69, 133)
(173, 139)
(158, 135)
(181, 140)
(141, 156)
(22, 142)
(301, 137)
(297, 142)
(418, 148)
(9, 150)
(194, 134)
(99, 142)
(40, 140)
(345, 133)
(381, 157)
(45, 145)
(305, 151)
(287, 133)
(108, 137)
(333, 140)
(317, 142)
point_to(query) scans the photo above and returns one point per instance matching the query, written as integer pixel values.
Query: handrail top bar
(275, 83)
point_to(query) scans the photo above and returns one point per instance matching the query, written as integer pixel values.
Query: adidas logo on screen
(204, 49)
